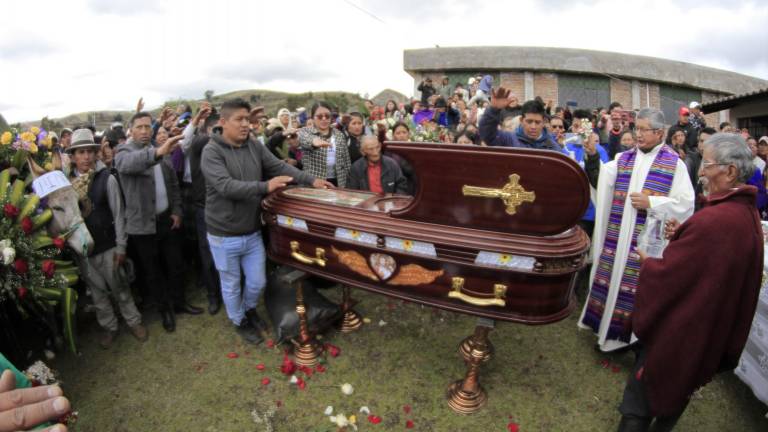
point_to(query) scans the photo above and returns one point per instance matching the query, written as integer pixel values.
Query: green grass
(545, 378)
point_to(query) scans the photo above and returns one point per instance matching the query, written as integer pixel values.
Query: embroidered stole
(657, 183)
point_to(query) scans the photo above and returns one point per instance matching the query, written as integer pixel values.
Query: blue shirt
(576, 151)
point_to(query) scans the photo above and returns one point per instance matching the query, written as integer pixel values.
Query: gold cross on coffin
(512, 193)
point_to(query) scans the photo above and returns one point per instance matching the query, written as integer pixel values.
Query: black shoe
(214, 306)
(169, 321)
(248, 333)
(188, 309)
(255, 320)
(630, 423)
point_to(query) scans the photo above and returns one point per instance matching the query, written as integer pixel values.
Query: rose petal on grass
(265, 381)
(347, 389)
(513, 427)
(374, 419)
(270, 343)
(232, 355)
(365, 410)
(409, 424)
(328, 410)
(260, 366)
(407, 409)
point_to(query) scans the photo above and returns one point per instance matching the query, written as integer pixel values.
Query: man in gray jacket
(234, 167)
(153, 216)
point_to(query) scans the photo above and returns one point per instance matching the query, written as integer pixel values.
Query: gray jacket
(135, 165)
(236, 182)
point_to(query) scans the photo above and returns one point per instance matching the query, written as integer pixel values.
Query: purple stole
(657, 183)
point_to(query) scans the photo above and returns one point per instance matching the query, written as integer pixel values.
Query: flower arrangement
(32, 277)
(586, 130)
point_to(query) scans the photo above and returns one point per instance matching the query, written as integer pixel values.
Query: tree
(3, 124)
(50, 125)
(209, 95)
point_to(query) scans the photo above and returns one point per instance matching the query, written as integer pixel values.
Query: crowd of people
(158, 185)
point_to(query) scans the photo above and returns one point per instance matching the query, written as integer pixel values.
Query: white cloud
(105, 54)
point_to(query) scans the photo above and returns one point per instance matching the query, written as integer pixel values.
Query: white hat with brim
(82, 138)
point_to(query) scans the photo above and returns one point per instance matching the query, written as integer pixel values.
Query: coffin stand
(491, 232)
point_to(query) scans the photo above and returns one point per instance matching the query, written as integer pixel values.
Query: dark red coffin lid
(449, 176)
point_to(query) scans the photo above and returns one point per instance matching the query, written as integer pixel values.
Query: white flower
(364, 410)
(382, 323)
(328, 410)
(9, 254)
(294, 380)
(347, 389)
(340, 420)
(5, 243)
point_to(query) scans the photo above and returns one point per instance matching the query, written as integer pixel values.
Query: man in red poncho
(694, 306)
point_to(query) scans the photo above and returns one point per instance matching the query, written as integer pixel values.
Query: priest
(650, 176)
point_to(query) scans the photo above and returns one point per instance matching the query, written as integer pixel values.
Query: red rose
(407, 409)
(22, 292)
(265, 381)
(288, 367)
(319, 368)
(301, 384)
(333, 350)
(270, 343)
(20, 266)
(307, 370)
(409, 424)
(10, 211)
(48, 268)
(27, 225)
(374, 419)
(59, 243)
(513, 427)
(260, 366)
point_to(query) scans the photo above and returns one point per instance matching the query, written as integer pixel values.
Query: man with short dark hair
(234, 166)
(427, 90)
(153, 216)
(530, 133)
(375, 172)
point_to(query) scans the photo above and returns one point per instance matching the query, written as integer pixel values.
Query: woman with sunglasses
(324, 148)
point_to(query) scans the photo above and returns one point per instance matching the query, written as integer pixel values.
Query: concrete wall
(753, 109)
(567, 60)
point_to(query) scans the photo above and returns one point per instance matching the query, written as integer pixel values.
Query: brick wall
(545, 85)
(621, 92)
(515, 82)
(713, 119)
(655, 95)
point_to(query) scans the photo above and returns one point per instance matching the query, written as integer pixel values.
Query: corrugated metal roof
(733, 100)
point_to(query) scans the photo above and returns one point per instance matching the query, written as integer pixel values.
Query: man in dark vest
(102, 208)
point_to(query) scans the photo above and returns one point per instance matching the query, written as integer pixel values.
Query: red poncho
(694, 307)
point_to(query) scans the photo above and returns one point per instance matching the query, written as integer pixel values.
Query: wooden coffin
(490, 232)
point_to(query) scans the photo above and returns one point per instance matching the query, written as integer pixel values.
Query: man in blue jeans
(234, 166)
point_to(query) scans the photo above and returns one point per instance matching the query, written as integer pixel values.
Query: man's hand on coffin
(500, 98)
(176, 221)
(640, 200)
(278, 182)
(168, 146)
(322, 184)
(591, 145)
(670, 227)
(320, 143)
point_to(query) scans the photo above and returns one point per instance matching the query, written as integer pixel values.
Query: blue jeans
(230, 255)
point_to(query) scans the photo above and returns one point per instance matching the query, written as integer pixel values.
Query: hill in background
(272, 101)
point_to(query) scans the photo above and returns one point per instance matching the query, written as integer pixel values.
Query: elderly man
(530, 133)
(375, 172)
(648, 177)
(153, 216)
(692, 321)
(102, 208)
(235, 167)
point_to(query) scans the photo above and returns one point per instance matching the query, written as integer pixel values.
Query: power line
(370, 14)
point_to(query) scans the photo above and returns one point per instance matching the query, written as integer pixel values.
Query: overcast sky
(63, 57)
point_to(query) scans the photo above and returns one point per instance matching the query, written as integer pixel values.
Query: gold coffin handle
(499, 292)
(296, 253)
(511, 194)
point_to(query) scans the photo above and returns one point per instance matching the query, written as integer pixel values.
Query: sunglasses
(323, 116)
